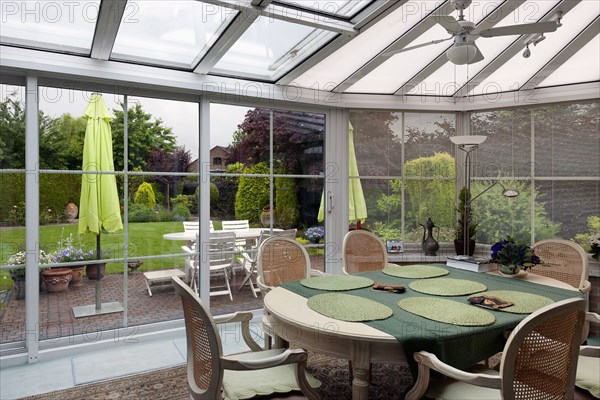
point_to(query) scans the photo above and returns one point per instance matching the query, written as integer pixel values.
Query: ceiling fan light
(461, 54)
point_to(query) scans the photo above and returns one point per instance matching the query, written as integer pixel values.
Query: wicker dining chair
(212, 376)
(564, 261)
(539, 361)
(363, 251)
(587, 381)
(280, 259)
(251, 258)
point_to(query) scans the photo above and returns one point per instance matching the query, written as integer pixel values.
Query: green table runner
(459, 346)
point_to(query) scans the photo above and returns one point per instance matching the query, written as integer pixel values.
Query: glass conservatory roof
(395, 47)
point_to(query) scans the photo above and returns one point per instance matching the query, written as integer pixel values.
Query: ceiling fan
(464, 50)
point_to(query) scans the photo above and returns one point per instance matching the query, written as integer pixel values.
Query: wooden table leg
(361, 361)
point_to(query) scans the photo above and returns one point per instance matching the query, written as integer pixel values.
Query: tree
(145, 133)
(61, 143)
(12, 133)
(295, 136)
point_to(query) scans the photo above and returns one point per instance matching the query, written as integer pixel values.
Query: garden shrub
(164, 215)
(141, 213)
(214, 197)
(432, 197)
(286, 202)
(181, 213)
(251, 193)
(183, 200)
(145, 195)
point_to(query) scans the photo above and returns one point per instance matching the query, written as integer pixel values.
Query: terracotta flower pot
(77, 275)
(57, 279)
(90, 271)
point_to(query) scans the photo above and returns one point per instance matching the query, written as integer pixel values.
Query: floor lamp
(468, 144)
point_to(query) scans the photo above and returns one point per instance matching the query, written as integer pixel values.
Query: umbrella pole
(98, 277)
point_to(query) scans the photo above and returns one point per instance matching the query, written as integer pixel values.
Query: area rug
(388, 381)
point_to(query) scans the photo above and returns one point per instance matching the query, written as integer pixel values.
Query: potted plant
(18, 274)
(69, 252)
(595, 245)
(464, 220)
(315, 234)
(513, 257)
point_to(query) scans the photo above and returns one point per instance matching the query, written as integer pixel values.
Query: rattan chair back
(540, 357)
(204, 349)
(363, 251)
(281, 259)
(562, 260)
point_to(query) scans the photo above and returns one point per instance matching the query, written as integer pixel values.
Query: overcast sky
(181, 117)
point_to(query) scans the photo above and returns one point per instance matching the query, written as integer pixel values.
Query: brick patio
(56, 315)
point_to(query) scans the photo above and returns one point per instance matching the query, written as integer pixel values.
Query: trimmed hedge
(145, 195)
(56, 191)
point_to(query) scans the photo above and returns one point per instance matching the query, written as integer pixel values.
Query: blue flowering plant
(513, 255)
(315, 234)
(69, 252)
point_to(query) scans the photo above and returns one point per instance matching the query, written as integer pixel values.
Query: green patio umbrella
(357, 206)
(99, 207)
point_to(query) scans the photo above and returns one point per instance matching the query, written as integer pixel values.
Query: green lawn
(145, 239)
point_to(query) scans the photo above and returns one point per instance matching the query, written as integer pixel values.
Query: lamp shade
(468, 140)
(461, 54)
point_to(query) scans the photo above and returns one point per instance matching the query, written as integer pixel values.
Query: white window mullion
(32, 219)
(336, 188)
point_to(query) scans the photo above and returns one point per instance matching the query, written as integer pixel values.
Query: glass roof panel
(174, 33)
(517, 71)
(449, 78)
(583, 66)
(396, 71)
(58, 26)
(342, 8)
(334, 69)
(271, 47)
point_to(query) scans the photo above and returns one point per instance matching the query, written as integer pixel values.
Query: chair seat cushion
(449, 389)
(247, 384)
(588, 375)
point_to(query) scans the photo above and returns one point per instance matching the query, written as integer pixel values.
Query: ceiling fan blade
(402, 50)
(448, 22)
(538, 27)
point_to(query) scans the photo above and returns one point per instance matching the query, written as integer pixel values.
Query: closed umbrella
(357, 206)
(99, 207)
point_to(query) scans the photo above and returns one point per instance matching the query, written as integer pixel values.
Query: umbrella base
(105, 308)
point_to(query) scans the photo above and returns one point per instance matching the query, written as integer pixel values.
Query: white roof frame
(123, 78)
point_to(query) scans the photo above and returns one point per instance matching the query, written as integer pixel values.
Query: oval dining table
(292, 321)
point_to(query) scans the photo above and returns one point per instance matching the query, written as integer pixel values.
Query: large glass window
(12, 213)
(551, 154)
(407, 170)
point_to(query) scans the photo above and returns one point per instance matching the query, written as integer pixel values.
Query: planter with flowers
(315, 234)
(17, 274)
(69, 252)
(513, 257)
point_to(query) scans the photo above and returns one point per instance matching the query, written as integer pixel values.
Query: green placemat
(447, 286)
(337, 282)
(414, 271)
(447, 311)
(347, 307)
(523, 302)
